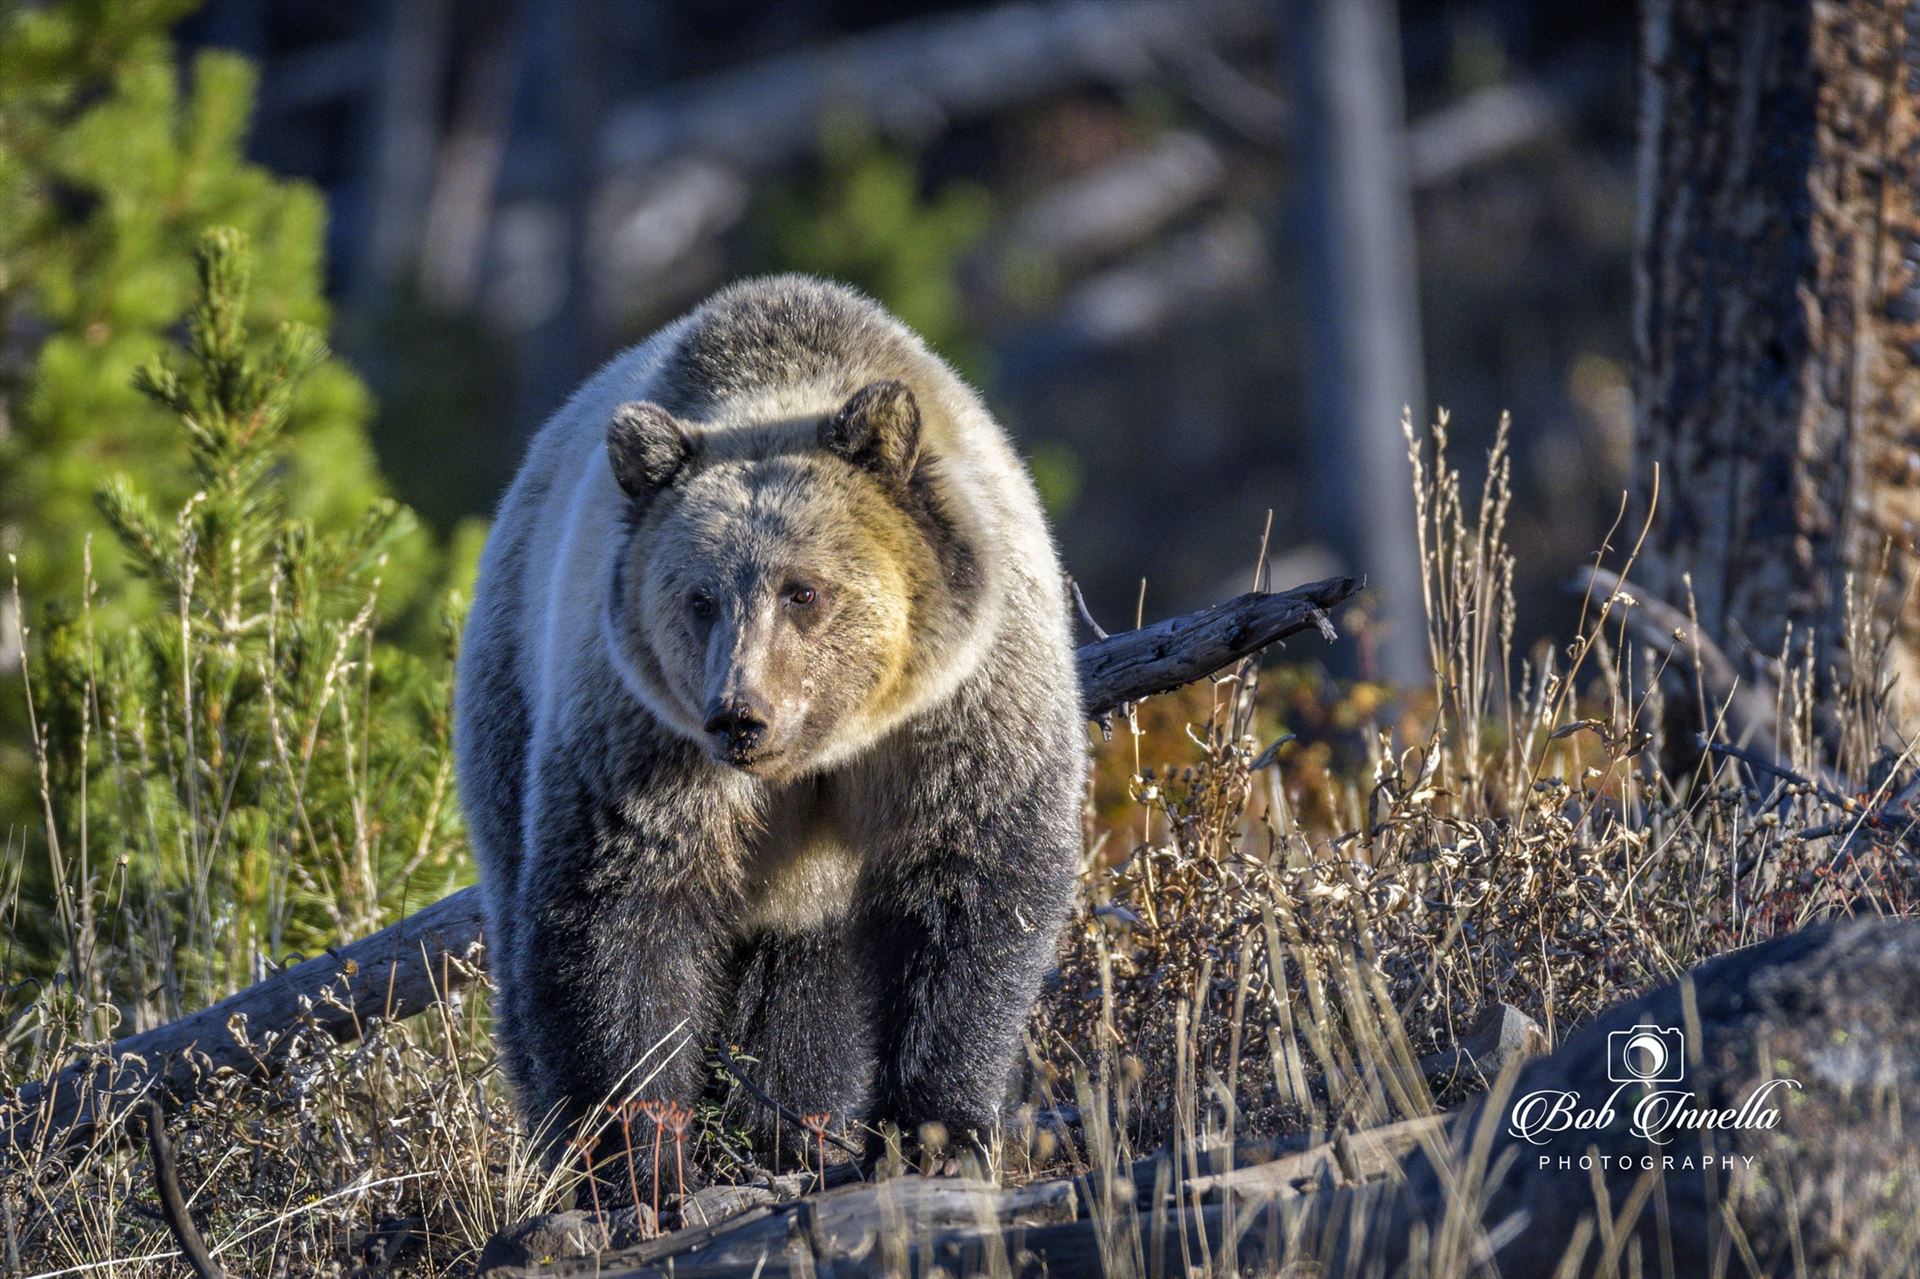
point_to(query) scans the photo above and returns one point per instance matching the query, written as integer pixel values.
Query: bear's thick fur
(768, 727)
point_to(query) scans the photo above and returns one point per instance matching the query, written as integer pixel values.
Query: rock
(562, 1236)
(552, 1236)
(1775, 1086)
(1499, 1035)
(390, 1240)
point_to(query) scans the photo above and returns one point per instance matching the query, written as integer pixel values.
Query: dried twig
(1762, 763)
(1659, 625)
(1086, 614)
(788, 1113)
(173, 1204)
(1103, 718)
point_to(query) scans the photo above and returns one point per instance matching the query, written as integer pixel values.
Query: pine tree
(249, 767)
(109, 173)
(229, 753)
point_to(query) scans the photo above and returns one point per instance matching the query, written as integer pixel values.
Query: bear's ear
(877, 429)
(647, 446)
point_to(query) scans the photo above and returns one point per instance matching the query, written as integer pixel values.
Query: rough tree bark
(1777, 320)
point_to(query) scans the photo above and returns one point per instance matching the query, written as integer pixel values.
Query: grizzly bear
(768, 729)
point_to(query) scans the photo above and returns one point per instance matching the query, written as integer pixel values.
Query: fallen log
(912, 1225)
(399, 971)
(1349, 1159)
(409, 966)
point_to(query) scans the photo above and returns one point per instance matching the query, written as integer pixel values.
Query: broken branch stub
(1180, 650)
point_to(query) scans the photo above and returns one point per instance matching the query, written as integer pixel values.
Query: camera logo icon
(1646, 1055)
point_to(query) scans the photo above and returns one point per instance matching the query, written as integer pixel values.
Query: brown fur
(764, 507)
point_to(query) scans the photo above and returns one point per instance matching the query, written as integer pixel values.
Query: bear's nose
(738, 723)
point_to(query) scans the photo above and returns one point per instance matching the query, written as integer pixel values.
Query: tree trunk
(1362, 303)
(1777, 322)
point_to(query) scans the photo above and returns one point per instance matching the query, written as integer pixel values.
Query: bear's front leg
(800, 1010)
(621, 953)
(962, 903)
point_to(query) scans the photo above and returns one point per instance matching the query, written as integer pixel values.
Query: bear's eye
(700, 604)
(801, 596)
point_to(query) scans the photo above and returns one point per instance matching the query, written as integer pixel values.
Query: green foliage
(110, 170)
(863, 217)
(264, 771)
(230, 756)
(1058, 474)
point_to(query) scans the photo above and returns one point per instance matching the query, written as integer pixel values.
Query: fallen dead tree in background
(412, 965)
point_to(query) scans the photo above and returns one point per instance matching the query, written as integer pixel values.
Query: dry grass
(1273, 931)
(402, 1147)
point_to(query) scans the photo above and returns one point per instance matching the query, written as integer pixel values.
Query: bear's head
(783, 586)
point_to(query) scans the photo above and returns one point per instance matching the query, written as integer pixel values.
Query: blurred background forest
(1102, 211)
(1110, 215)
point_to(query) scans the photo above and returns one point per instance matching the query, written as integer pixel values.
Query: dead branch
(1662, 627)
(1155, 659)
(173, 1203)
(410, 966)
(1130, 199)
(1491, 123)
